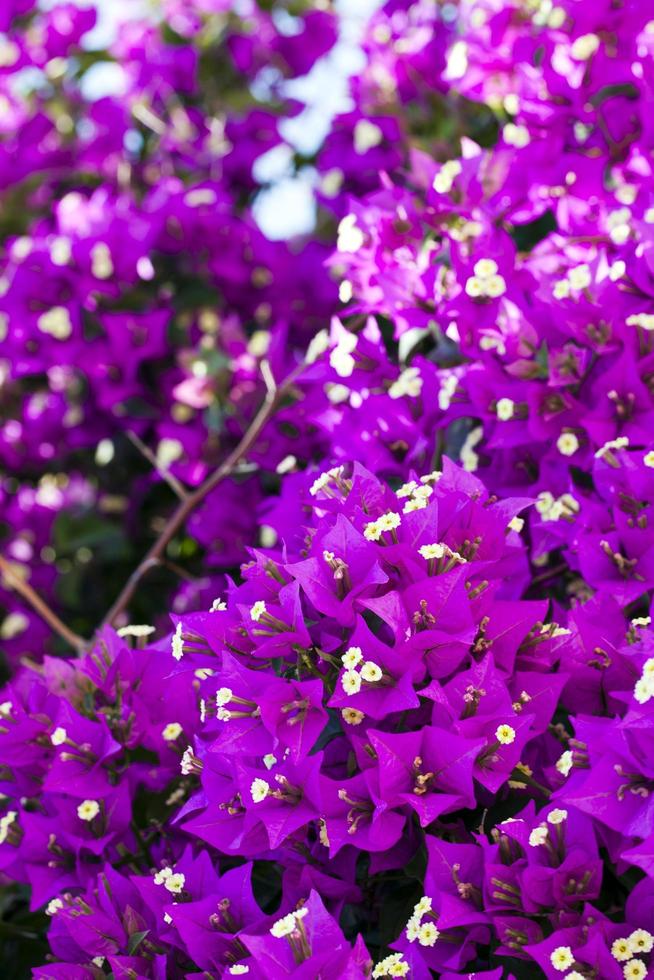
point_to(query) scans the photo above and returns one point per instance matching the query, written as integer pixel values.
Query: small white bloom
(53, 906)
(352, 657)
(366, 136)
(505, 734)
(351, 682)
(161, 876)
(428, 551)
(538, 836)
(641, 941)
(223, 696)
(88, 810)
(257, 610)
(352, 716)
(172, 731)
(259, 790)
(56, 323)
(557, 816)
(621, 950)
(505, 409)
(350, 237)
(516, 524)
(218, 606)
(584, 47)
(567, 444)
(174, 883)
(136, 630)
(284, 926)
(564, 763)
(59, 736)
(371, 672)
(178, 643)
(562, 958)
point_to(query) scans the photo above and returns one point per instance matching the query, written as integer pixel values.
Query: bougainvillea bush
(326, 560)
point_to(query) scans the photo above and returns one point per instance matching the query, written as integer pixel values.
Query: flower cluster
(402, 724)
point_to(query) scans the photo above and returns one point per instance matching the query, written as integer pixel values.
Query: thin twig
(163, 472)
(274, 394)
(24, 589)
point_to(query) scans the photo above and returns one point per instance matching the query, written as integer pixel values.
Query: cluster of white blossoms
(578, 278)
(288, 923)
(551, 508)
(425, 933)
(88, 810)
(173, 881)
(539, 835)
(387, 522)
(644, 689)
(486, 283)
(640, 941)
(417, 495)
(358, 670)
(392, 966)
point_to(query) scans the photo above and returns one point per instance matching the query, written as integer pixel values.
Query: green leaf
(135, 941)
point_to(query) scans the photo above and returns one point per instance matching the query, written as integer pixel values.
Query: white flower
(269, 760)
(408, 383)
(621, 950)
(53, 906)
(428, 934)
(484, 268)
(284, 926)
(88, 810)
(178, 643)
(59, 736)
(428, 551)
(641, 941)
(352, 657)
(366, 136)
(5, 824)
(643, 690)
(341, 358)
(161, 876)
(643, 320)
(648, 459)
(505, 734)
(352, 716)
(584, 47)
(223, 696)
(562, 958)
(413, 929)
(351, 682)
(516, 524)
(516, 135)
(172, 731)
(174, 883)
(505, 409)
(445, 177)
(567, 444)
(186, 764)
(557, 816)
(371, 672)
(634, 970)
(580, 276)
(259, 790)
(423, 906)
(538, 836)
(406, 489)
(239, 969)
(257, 610)
(350, 237)
(218, 606)
(56, 323)
(389, 521)
(135, 629)
(102, 266)
(564, 763)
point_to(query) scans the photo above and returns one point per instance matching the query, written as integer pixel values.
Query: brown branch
(274, 395)
(25, 590)
(163, 472)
